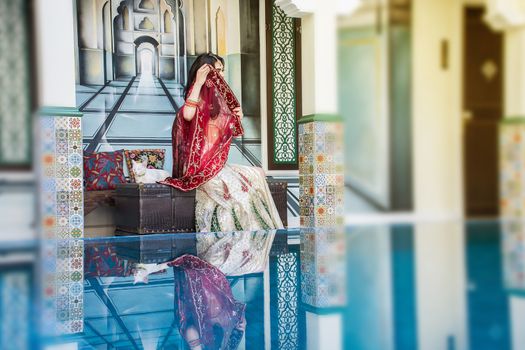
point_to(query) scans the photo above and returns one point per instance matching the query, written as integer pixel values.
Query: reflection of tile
(252, 128)
(87, 88)
(255, 150)
(119, 83)
(171, 84)
(142, 84)
(113, 90)
(146, 104)
(91, 122)
(126, 305)
(103, 102)
(236, 157)
(141, 125)
(82, 97)
(146, 91)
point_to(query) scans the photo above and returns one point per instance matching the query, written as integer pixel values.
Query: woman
(229, 197)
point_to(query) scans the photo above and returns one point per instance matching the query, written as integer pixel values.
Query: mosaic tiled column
(512, 168)
(505, 16)
(513, 247)
(61, 220)
(321, 180)
(323, 269)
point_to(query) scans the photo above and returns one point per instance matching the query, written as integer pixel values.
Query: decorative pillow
(103, 170)
(155, 158)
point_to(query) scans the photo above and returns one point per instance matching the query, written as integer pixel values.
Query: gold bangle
(193, 101)
(191, 104)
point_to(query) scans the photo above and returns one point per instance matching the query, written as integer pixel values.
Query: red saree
(201, 146)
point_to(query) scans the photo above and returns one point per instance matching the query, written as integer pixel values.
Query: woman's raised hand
(202, 73)
(238, 112)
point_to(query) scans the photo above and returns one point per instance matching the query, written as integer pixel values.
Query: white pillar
(514, 55)
(319, 59)
(58, 160)
(55, 52)
(436, 107)
(509, 16)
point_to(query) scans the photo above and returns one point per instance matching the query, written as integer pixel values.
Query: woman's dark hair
(201, 60)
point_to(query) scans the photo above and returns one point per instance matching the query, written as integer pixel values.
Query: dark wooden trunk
(156, 250)
(153, 208)
(278, 190)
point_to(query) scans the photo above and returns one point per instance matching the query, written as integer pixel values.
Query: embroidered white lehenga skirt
(236, 199)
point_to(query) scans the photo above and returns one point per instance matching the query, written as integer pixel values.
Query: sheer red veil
(201, 146)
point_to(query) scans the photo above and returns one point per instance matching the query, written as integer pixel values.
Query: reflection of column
(505, 15)
(59, 163)
(440, 285)
(371, 289)
(517, 311)
(513, 248)
(323, 268)
(323, 286)
(513, 242)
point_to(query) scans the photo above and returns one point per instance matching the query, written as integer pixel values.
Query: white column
(55, 52)
(319, 59)
(58, 162)
(436, 107)
(509, 16)
(514, 58)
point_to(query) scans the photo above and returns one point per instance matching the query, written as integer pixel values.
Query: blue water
(424, 286)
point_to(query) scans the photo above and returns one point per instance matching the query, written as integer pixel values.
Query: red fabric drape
(201, 146)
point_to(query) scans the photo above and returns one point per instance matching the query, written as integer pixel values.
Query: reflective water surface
(419, 286)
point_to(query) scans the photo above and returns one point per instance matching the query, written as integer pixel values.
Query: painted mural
(132, 62)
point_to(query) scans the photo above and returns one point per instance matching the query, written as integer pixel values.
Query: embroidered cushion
(103, 170)
(155, 158)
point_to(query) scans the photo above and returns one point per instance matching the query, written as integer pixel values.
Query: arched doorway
(146, 56)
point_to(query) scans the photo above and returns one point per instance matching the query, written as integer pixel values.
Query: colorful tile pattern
(15, 303)
(512, 169)
(513, 243)
(321, 180)
(62, 224)
(323, 267)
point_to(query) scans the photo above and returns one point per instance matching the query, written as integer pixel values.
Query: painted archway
(147, 55)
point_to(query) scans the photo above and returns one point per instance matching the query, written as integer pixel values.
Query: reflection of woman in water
(229, 197)
(209, 316)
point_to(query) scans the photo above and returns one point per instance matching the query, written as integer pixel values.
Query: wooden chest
(278, 190)
(153, 208)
